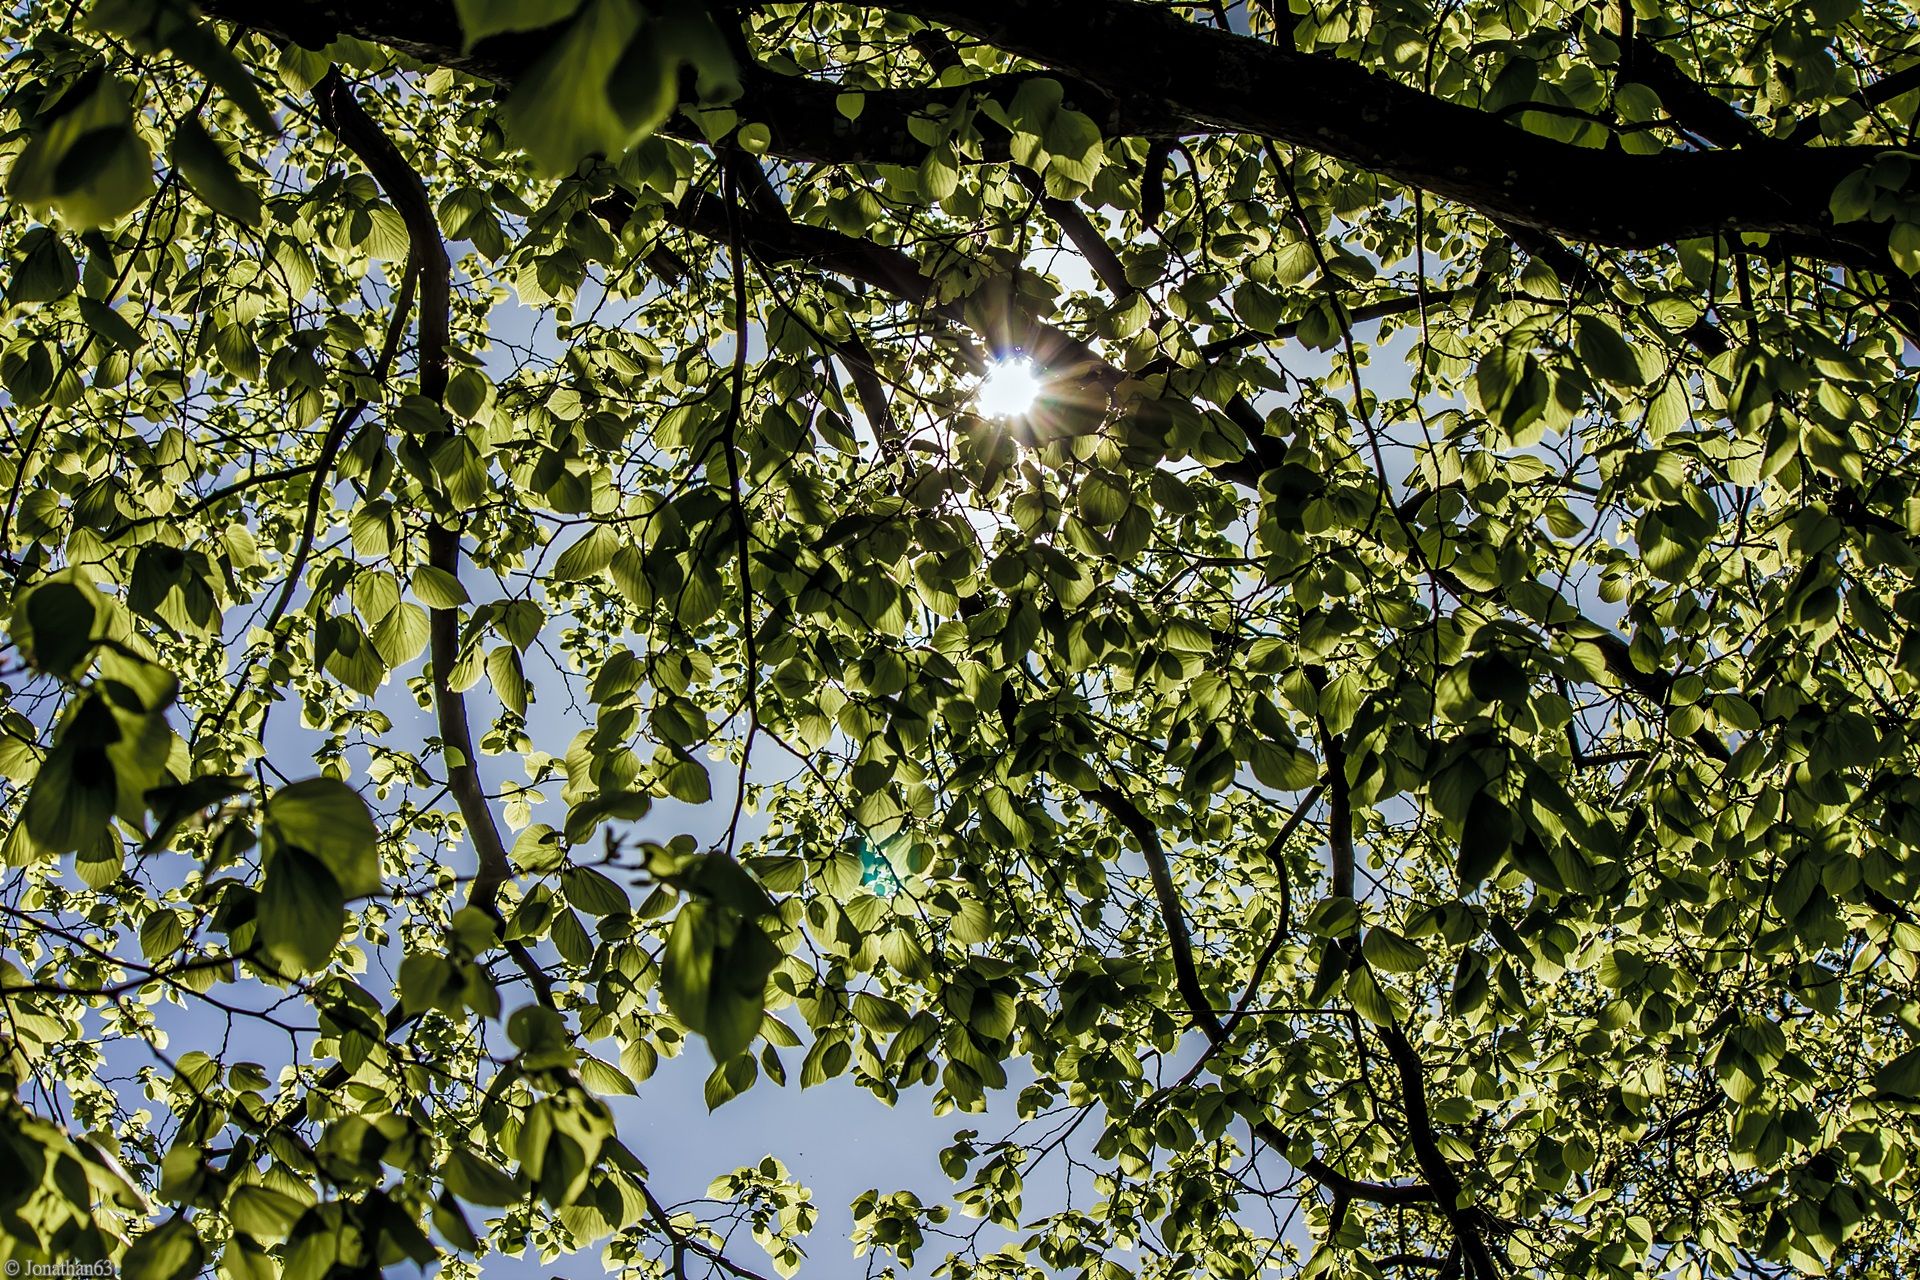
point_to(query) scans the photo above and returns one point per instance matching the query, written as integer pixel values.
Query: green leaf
(43, 268)
(438, 589)
(197, 44)
(1032, 110)
(639, 1060)
(879, 1014)
(238, 355)
(468, 393)
(173, 805)
(152, 25)
(825, 1060)
(1283, 768)
(1606, 353)
(570, 938)
(1103, 500)
(1512, 388)
(262, 1213)
(593, 892)
(171, 1251)
(328, 819)
(561, 108)
(161, 934)
(1903, 242)
(1900, 1077)
(588, 814)
(212, 176)
(1484, 839)
(754, 139)
(686, 781)
(560, 1142)
(689, 36)
(508, 677)
(715, 975)
(354, 661)
(539, 849)
(61, 617)
(1334, 916)
(720, 878)
(86, 158)
(477, 1180)
(587, 557)
(1495, 677)
(1369, 999)
(1341, 699)
(1260, 307)
(1620, 969)
(110, 326)
(728, 1080)
(76, 791)
(302, 912)
(1388, 951)
(1852, 199)
(603, 1077)
(402, 635)
(541, 1036)
(424, 980)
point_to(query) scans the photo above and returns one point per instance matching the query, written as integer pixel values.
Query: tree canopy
(1400, 762)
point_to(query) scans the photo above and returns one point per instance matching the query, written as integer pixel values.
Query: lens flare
(877, 875)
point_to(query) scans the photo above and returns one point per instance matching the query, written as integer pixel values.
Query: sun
(1009, 389)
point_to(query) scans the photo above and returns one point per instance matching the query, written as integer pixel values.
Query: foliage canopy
(1410, 738)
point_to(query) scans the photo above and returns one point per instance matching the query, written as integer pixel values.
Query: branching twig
(1129, 815)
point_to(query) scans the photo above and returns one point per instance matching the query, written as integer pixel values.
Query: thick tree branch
(1889, 87)
(1339, 803)
(1362, 313)
(1283, 927)
(1179, 940)
(871, 391)
(1144, 71)
(802, 115)
(1686, 100)
(1221, 81)
(1082, 234)
(781, 240)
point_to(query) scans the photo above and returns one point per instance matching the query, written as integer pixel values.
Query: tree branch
(1187, 980)
(870, 390)
(1879, 93)
(1433, 1162)
(341, 111)
(1179, 940)
(1219, 81)
(1145, 71)
(1082, 234)
(1690, 103)
(1339, 803)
